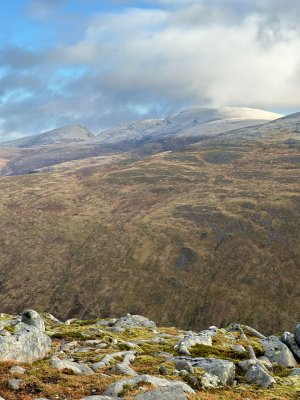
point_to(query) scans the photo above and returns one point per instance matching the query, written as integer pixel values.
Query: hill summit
(66, 134)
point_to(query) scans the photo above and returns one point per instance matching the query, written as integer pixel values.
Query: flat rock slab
(117, 388)
(166, 393)
(76, 368)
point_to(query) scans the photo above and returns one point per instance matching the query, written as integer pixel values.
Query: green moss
(217, 351)
(281, 371)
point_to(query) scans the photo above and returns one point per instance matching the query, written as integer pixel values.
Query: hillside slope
(190, 238)
(142, 138)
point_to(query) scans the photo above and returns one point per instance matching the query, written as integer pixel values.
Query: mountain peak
(65, 134)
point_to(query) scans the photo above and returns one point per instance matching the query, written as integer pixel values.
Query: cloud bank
(102, 65)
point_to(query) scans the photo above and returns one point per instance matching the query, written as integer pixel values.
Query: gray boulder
(278, 352)
(165, 393)
(27, 345)
(117, 388)
(33, 318)
(132, 321)
(297, 334)
(76, 368)
(259, 376)
(289, 340)
(224, 370)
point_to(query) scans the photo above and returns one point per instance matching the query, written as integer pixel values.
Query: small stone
(17, 370)
(163, 370)
(69, 346)
(14, 384)
(238, 348)
(184, 365)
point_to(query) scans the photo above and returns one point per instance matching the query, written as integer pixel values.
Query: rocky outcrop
(91, 350)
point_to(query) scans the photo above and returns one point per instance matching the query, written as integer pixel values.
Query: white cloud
(209, 53)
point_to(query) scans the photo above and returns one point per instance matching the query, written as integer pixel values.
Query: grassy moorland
(206, 235)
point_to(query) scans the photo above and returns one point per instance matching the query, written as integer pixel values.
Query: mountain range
(191, 219)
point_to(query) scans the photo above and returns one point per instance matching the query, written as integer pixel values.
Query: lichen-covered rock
(259, 376)
(132, 321)
(117, 388)
(76, 368)
(278, 352)
(223, 369)
(27, 345)
(33, 318)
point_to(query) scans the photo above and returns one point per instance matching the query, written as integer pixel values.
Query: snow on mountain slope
(66, 134)
(194, 122)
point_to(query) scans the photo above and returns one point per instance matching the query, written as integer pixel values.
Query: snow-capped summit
(66, 134)
(194, 122)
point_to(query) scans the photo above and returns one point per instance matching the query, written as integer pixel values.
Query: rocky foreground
(131, 358)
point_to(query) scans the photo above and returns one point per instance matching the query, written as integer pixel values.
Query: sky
(99, 63)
